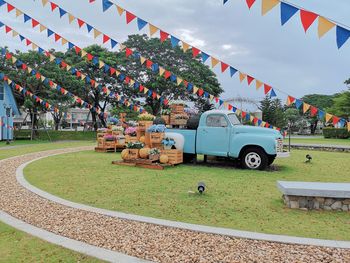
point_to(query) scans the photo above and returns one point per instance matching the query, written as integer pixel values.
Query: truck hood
(257, 130)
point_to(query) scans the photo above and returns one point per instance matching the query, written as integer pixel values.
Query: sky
(286, 58)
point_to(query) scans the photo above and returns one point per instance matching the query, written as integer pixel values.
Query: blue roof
(9, 99)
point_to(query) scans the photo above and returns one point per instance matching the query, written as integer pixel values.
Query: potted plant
(145, 120)
(168, 143)
(154, 154)
(165, 115)
(131, 131)
(156, 133)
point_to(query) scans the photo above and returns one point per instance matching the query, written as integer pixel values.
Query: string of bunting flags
(54, 86)
(27, 93)
(307, 18)
(122, 77)
(154, 67)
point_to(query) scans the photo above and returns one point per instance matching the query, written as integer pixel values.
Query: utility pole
(8, 115)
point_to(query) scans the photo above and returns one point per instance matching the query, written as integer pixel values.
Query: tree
(273, 111)
(173, 59)
(341, 103)
(292, 116)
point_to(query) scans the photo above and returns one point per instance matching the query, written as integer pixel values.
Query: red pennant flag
(224, 66)
(112, 70)
(200, 92)
(167, 74)
(129, 17)
(255, 120)
(8, 56)
(78, 74)
(24, 66)
(92, 82)
(195, 52)
(105, 38)
(63, 64)
(17, 87)
(10, 7)
(34, 23)
(37, 100)
(216, 99)
(77, 49)
(154, 95)
(47, 105)
(50, 83)
(7, 29)
(127, 80)
(267, 125)
(290, 100)
(185, 83)
(37, 75)
(89, 56)
(63, 91)
(47, 54)
(104, 89)
(28, 42)
(128, 52)
(307, 18)
(244, 114)
(250, 3)
(149, 63)
(166, 102)
(267, 88)
(250, 80)
(91, 1)
(163, 36)
(80, 22)
(230, 107)
(313, 111)
(335, 120)
(141, 88)
(57, 37)
(53, 6)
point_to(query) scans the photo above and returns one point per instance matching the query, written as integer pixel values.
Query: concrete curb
(81, 247)
(181, 225)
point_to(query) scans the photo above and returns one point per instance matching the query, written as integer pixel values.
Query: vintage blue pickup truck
(220, 133)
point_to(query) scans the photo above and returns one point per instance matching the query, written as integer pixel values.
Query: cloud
(188, 36)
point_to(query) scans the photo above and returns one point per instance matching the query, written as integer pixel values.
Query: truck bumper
(283, 154)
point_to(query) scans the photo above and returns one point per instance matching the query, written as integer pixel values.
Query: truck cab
(221, 134)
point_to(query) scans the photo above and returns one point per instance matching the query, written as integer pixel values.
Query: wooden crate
(159, 146)
(145, 124)
(180, 122)
(177, 108)
(175, 156)
(166, 118)
(156, 137)
(140, 132)
(148, 139)
(133, 154)
(116, 133)
(129, 138)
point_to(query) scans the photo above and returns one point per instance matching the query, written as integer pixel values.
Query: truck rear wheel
(254, 159)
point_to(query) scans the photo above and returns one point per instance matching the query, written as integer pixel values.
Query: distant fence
(58, 135)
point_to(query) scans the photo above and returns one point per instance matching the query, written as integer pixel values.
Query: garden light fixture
(201, 187)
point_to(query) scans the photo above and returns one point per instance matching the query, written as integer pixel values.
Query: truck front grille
(279, 145)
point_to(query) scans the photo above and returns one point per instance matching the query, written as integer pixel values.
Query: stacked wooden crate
(178, 117)
(174, 156)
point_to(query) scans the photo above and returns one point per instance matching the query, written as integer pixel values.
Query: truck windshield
(233, 119)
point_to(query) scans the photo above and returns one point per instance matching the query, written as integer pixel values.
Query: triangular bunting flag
(273, 94)
(80, 22)
(335, 120)
(18, 12)
(267, 5)
(96, 33)
(163, 36)
(71, 18)
(290, 100)
(267, 88)
(152, 29)
(250, 3)
(141, 23)
(306, 107)
(105, 38)
(214, 62)
(185, 46)
(129, 17)
(242, 76)
(42, 28)
(174, 41)
(307, 18)
(298, 103)
(44, 2)
(313, 111)
(324, 25)
(106, 4)
(258, 84)
(287, 11)
(224, 67)
(342, 36)
(120, 10)
(232, 71)
(250, 80)
(328, 117)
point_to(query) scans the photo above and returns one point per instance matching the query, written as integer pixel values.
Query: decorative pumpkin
(164, 159)
(142, 139)
(144, 153)
(125, 154)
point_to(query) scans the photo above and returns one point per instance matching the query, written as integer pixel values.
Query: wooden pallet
(104, 149)
(136, 163)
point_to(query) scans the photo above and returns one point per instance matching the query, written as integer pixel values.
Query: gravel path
(147, 241)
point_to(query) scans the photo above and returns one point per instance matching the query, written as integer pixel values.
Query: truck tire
(271, 159)
(193, 122)
(254, 159)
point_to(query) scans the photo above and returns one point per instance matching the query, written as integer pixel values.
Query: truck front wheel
(254, 159)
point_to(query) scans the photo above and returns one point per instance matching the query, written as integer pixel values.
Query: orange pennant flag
(120, 10)
(258, 84)
(96, 33)
(185, 46)
(267, 5)
(306, 107)
(242, 76)
(70, 18)
(214, 62)
(152, 29)
(348, 126)
(324, 25)
(328, 117)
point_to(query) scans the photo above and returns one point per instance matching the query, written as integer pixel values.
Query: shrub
(336, 133)
(58, 135)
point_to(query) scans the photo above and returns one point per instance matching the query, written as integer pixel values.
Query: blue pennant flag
(2, 75)
(342, 36)
(136, 85)
(106, 4)
(58, 88)
(189, 86)
(259, 122)
(26, 18)
(89, 28)
(46, 81)
(174, 41)
(121, 77)
(155, 67)
(273, 93)
(106, 68)
(1, 24)
(70, 45)
(40, 50)
(33, 72)
(49, 32)
(298, 103)
(136, 55)
(58, 61)
(221, 102)
(19, 63)
(232, 71)
(113, 43)
(287, 11)
(321, 114)
(247, 117)
(62, 12)
(234, 109)
(21, 37)
(173, 77)
(150, 92)
(225, 1)
(141, 23)
(3, 51)
(74, 71)
(87, 79)
(206, 94)
(95, 60)
(2, 2)
(205, 57)
(342, 123)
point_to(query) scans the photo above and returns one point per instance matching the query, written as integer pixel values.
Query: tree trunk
(313, 127)
(94, 120)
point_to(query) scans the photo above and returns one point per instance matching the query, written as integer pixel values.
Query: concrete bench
(314, 195)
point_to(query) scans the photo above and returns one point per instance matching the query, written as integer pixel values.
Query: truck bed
(190, 139)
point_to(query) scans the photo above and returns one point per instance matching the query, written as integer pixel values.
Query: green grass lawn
(319, 140)
(17, 246)
(240, 199)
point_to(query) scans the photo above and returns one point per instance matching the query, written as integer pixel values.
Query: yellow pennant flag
(96, 33)
(161, 71)
(132, 82)
(348, 126)
(324, 25)
(185, 46)
(42, 78)
(306, 107)
(238, 112)
(71, 18)
(214, 62)
(211, 97)
(258, 84)
(117, 73)
(251, 118)
(101, 64)
(52, 57)
(120, 10)
(14, 60)
(152, 29)
(121, 47)
(42, 28)
(195, 90)
(179, 81)
(83, 53)
(267, 5)
(328, 117)
(242, 76)
(145, 90)
(83, 76)
(263, 124)
(64, 41)
(68, 67)
(142, 60)
(18, 12)
(44, 2)
(29, 69)
(34, 46)
(14, 33)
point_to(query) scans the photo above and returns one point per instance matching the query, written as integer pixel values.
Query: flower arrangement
(191, 111)
(113, 121)
(165, 112)
(160, 128)
(154, 151)
(135, 145)
(109, 138)
(102, 130)
(117, 128)
(168, 143)
(181, 117)
(145, 117)
(132, 123)
(177, 102)
(131, 131)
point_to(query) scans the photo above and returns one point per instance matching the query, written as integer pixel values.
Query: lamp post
(8, 115)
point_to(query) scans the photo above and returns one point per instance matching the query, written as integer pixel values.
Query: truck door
(214, 137)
